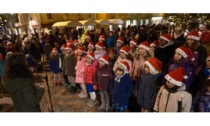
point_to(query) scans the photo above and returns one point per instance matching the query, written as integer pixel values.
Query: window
(134, 22)
(128, 23)
(49, 16)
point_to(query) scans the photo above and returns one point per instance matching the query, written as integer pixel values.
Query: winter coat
(79, 74)
(55, 64)
(188, 68)
(168, 100)
(204, 103)
(102, 78)
(2, 65)
(69, 64)
(179, 41)
(89, 71)
(137, 67)
(165, 54)
(119, 59)
(24, 95)
(121, 91)
(148, 85)
(111, 41)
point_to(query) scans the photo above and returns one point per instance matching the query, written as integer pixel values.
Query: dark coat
(55, 64)
(179, 41)
(148, 85)
(102, 78)
(121, 91)
(69, 64)
(24, 95)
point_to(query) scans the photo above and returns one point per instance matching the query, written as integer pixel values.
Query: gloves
(95, 87)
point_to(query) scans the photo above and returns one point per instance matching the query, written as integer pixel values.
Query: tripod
(47, 83)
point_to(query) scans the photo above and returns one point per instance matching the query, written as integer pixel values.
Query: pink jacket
(138, 66)
(79, 74)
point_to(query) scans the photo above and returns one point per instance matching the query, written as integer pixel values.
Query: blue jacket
(2, 65)
(110, 41)
(148, 86)
(54, 65)
(121, 91)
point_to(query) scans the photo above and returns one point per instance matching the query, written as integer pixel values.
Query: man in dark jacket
(179, 38)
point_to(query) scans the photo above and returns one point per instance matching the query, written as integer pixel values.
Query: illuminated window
(141, 22)
(128, 22)
(134, 22)
(146, 21)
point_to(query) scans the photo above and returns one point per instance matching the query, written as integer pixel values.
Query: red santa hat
(81, 49)
(133, 41)
(154, 43)
(186, 52)
(91, 44)
(193, 35)
(54, 50)
(124, 65)
(176, 76)
(63, 46)
(105, 59)
(144, 45)
(91, 55)
(69, 47)
(76, 42)
(166, 37)
(100, 45)
(87, 36)
(208, 57)
(121, 40)
(154, 65)
(125, 49)
(102, 37)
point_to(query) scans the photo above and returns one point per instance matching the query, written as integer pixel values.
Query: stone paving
(62, 99)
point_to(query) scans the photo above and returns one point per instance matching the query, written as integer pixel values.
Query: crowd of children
(162, 76)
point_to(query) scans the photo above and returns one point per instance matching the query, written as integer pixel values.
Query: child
(100, 50)
(90, 47)
(153, 48)
(55, 63)
(121, 87)
(124, 52)
(101, 80)
(81, 59)
(112, 56)
(69, 64)
(89, 71)
(133, 44)
(148, 83)
(182, 58)
(119, 44)
(172, 96)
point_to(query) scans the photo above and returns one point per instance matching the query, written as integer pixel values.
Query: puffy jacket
(89, 71)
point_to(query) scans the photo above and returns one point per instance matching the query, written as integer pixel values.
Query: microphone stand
(48, 87)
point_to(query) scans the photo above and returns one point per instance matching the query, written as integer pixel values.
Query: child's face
(208, 63)
(101, 64)
(90, 48)
(54, 53)
(98, 49)
(118, 44)
(177, 56)
(89, 60)
(162, 42)
(190, 42)
(169, 84)
(122, 55)
(119, 71)
(142, 51)
(68, 51)
(79, 53)
(100, 40)
(132, 45)
(152, 48)
(111, 55)
(146, 69)
(63, 51)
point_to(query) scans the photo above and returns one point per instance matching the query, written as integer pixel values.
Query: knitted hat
(81, 49)
(87, 36)
(102, 37)
(121, 40)
(63, 46)
(54, 50)
(154, 65)
(154, 43)
(133, 41)
(100, 45)
(69, 47)
(125, 49)
(186, 52)
(166, 37)
(144, 45)
(124, 65)
(105, 59)
(91, 44)
(76, 42)
(1, 56)
(193, 35)
(91, 55)
(208, 57)
(176, 76)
